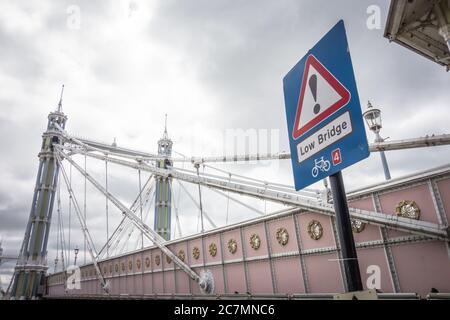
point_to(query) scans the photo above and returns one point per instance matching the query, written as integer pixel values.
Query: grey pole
(387, 174)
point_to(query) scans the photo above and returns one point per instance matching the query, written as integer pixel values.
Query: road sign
(310, 110)
(326, 129)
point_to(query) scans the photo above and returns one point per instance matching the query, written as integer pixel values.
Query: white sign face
(325, 136)
(319, 96)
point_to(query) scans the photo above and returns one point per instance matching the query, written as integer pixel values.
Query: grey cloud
(238, 53)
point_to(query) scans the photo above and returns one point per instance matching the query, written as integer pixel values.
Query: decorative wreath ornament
(282, 236)
(315, 230)
(130, 265)
(232, 246)
(123, 266)
(157, 259)
(181, 255)
(168, 259)
(116, 267)
(196, 253)
(147, 262)
(357, 225)
(138, 264)
(408, 209)
(255, 241)
(213, 249)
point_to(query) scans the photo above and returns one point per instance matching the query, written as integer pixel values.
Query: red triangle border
(329, 77)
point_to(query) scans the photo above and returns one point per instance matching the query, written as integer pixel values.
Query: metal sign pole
(351, 266)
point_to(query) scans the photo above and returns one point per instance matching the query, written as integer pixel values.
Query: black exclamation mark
(313, 86)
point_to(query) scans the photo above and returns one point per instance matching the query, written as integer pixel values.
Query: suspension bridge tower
(163, 194)
(29, 273)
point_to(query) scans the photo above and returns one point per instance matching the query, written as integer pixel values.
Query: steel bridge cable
(420, 142)
(124, 220)
(84, 205)
(179, 193)
(376, 218)
(87, 237)
(125, 223)
(196, 204)
(228, 202)
(61, 227)
(106, 206)
(142, 239)
(237, 201)
(70, 212)
(172, 203)
(258, 180)
(312, 194)
(140, 205)
(149, 233)
(132, 226)
(129, 224)
(130, 233)
(57, 230)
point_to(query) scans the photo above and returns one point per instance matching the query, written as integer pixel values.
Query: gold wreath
(311, 230)
(213, 249)
(282, 236)
(232, 246)
(196, 253)
(255, 241)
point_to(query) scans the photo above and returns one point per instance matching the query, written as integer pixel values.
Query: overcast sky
(211, 66)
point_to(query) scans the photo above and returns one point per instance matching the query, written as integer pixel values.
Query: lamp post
(76, 253)
(373, 119)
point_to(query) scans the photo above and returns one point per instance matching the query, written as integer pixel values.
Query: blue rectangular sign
(325, 125)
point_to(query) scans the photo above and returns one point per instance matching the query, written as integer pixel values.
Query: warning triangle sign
(321, 95)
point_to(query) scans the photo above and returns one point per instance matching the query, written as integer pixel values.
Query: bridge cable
(200, 199)
(106, 205)
(84, 204)
(228, 201)
(124, 223)
(87, 236)
(211, 222)
(133, 227)
(140, 205)
(177, 217)
(70, 211)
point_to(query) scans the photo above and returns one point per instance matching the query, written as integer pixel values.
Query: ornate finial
(166, 136)
(114, 144)
(60, 99)
(369, 105)
(165, 124)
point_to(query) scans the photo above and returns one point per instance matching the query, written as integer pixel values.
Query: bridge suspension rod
(196, 204)
(87, 236)
(420, 142)
(148, 232)
(432, 230)
(124, 223)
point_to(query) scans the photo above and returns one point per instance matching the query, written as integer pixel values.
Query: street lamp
(373, 120)
(76, 253)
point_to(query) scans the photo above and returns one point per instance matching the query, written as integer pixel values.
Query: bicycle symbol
(320, 164)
